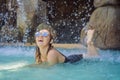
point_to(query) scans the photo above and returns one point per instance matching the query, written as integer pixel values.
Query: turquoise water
(13, 60)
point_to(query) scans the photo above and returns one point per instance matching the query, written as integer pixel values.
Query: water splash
(68, 26)
(105, 55)
(13, 66)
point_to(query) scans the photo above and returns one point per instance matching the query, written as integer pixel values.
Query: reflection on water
(12, 66)
(13, 60)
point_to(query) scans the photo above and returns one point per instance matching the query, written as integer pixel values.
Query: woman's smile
(40, 41)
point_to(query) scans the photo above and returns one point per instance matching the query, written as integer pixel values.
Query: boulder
(105, 21)
(99, 3)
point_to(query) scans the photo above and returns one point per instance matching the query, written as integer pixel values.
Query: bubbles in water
(111, 56)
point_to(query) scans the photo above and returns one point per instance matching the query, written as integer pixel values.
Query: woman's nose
(40, 36)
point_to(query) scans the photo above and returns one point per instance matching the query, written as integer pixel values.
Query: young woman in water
(46, 53)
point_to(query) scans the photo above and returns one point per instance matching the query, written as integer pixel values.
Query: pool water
(14, 59)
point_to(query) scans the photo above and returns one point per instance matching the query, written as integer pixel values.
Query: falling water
(23, 29)
(22, 19)
(8, 30)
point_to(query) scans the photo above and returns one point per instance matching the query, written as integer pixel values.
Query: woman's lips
(40, 40)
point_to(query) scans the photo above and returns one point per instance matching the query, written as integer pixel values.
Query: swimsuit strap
(50, 47)
(66, 60)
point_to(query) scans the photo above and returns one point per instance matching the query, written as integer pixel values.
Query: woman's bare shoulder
(53, 51)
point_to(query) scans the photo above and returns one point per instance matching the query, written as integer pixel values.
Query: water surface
(13, 60)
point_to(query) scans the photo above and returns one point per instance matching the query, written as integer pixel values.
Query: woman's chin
(40, 44)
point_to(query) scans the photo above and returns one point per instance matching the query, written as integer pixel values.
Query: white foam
(12, 66)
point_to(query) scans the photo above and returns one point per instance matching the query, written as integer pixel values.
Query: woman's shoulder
(53, 51)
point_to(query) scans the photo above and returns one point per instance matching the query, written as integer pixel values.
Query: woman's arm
(52, 58)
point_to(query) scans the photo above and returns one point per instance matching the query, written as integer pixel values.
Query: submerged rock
(105, 20)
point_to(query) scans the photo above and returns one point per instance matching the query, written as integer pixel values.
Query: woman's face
(43, 38)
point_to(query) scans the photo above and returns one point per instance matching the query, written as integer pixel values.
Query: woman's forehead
(44, 30)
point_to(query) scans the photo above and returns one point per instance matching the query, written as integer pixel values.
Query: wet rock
(8, 34)
(68, 18)
(62, 15)
(105, 21)
(99, 3)
(8, 21)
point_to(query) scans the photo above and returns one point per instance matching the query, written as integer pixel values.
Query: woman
(46, 53)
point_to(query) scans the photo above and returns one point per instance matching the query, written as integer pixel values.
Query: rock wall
(106, 22)
(39, 16)
(67, 17)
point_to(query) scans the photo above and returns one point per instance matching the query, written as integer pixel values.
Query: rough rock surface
(106, 22)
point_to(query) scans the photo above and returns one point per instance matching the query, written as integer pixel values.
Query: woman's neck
(44, 50)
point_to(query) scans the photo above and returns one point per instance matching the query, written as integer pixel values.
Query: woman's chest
(44, 59)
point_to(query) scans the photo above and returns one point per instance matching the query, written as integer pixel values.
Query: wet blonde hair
(52, 35)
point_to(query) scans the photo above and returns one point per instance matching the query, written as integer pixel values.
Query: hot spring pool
(12, 60)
